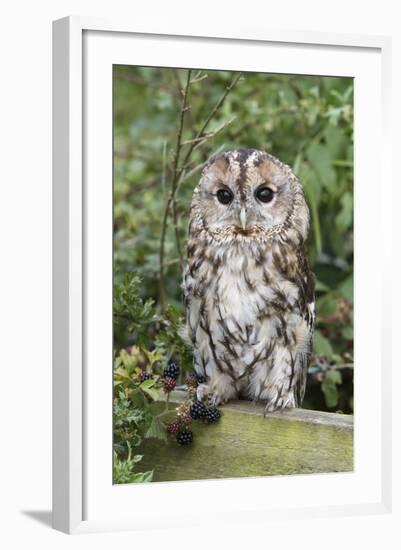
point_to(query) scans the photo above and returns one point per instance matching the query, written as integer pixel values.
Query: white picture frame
(83, 49)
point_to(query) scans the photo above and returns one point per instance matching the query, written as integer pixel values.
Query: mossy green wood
(245, 443)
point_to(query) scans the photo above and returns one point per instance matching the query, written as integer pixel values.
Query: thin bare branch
(171, 198)
(184, 109)
(198, 78)
(187, 175)
(210, 116)
(216, 131)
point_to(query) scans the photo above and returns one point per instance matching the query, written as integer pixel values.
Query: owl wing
(189, 293)
(305, 280)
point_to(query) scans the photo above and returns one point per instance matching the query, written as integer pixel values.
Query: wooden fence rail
(246, 443)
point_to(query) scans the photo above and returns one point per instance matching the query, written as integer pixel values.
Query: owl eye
(264, 194)
(224, 196)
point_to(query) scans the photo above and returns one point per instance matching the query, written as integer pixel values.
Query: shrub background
(306, 121)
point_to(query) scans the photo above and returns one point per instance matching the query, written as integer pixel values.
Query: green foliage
(330, 382)
(136, 319)
(123, 469)
(137, 374)
(133, 314)
(306, 121)
(171, 341)
(135, 410)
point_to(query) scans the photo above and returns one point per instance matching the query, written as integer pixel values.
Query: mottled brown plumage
(248, 289)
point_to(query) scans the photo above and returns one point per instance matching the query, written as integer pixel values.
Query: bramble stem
(171, 200)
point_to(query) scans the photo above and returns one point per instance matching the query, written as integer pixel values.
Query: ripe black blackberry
(145, 376)
(197, 410)
(185, 437)
(172, 370)
(212, 415)
(168, 384)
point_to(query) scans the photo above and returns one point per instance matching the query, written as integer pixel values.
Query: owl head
(246, 194)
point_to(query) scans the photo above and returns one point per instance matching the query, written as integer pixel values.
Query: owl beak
(242, 217)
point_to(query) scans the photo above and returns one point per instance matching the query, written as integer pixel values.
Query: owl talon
(202, 391)
(269, 407)
(215, 400)
(278, 405)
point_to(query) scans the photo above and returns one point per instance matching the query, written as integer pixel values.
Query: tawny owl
(248, 289)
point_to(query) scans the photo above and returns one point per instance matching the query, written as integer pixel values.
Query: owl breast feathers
(248, 289)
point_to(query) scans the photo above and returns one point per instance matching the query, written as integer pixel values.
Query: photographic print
(233, 274)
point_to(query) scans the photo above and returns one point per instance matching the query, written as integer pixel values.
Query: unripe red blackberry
(186, 418)
(184, 437)
(173, 426)
(168, 384)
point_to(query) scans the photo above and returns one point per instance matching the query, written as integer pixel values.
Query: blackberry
(172, 370)
(197, 410)
(173, 426)
(168, 384)
(194, 379)
(191, 380)
(144, 376)
(186, 418)
(212, 415)
(184, 437)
